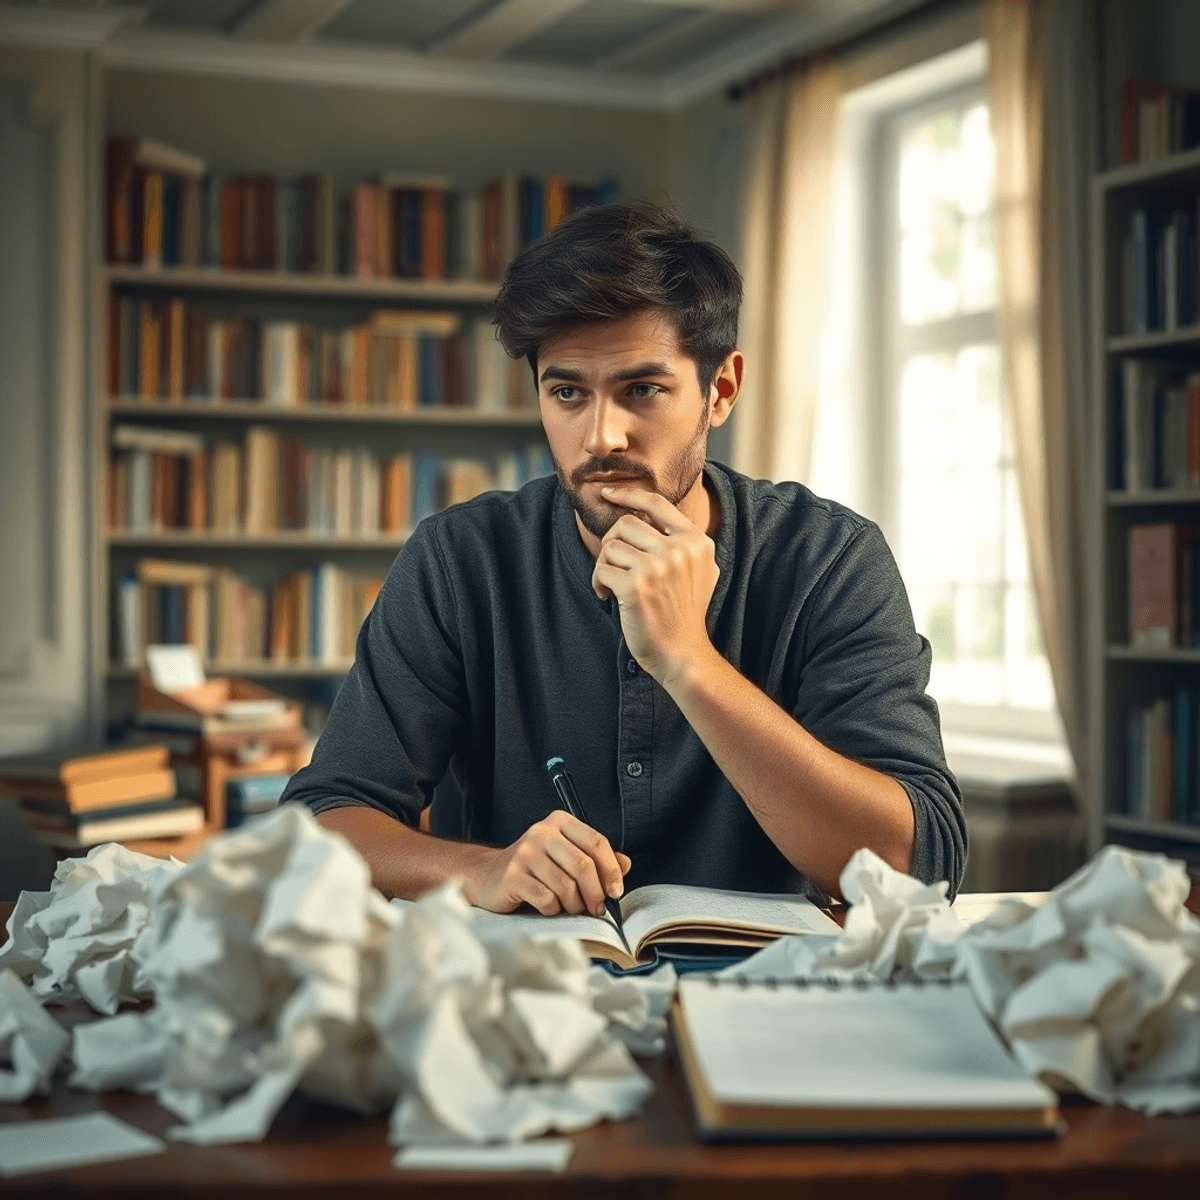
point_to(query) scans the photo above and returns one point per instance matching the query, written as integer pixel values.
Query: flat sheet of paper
(71, 1142)
(551, 1154)
(926, 1047)
(174, 668)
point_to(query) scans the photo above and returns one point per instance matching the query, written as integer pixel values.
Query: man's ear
(726, 385)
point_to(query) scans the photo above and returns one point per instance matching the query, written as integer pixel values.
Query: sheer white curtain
(1043, 94)
(786, 218)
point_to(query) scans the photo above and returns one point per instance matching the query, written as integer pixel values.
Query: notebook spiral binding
(829, 982)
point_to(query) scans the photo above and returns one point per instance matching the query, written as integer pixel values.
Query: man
(729, 667)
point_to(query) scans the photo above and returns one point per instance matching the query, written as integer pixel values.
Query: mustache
(610, 466)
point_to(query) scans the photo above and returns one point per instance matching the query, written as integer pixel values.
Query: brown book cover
(1152, 592)
(384, 257)
(397, 490)
(310, 198)
(175, 349)
(231, 224)
(433, 234)
(152, 219)
(304, 363)
(96, 793)
(363, 229)
(190, 227)
(454, 369)
(198, 492)
(149, 335)
(226, 488)
(118, 492)
(490, 265)
(120, 182)
(80, 764)
(1133, 92)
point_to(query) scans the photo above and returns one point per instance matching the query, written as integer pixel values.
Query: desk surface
(313, 1149)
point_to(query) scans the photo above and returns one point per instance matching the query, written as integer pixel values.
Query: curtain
(1043, 94)
(786, 218)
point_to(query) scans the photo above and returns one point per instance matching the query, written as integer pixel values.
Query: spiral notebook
(824, 1059)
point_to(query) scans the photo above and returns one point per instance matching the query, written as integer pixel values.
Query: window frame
(885, 329)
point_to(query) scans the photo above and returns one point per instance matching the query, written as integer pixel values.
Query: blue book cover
(427, 476)
(428, 361)
(1158, 421)
(1182, 790)
(172, 190)
(210, 221)
(1144, 289)
(1116, 459)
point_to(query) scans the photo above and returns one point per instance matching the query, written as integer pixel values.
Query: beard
(678, 477)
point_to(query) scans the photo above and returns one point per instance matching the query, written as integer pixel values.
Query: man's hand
(662, 569)
(558, 865)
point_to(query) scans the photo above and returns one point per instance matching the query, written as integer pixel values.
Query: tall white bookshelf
(1125, 674)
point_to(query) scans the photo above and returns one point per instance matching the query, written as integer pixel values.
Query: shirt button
(632, 666)
(633, 768)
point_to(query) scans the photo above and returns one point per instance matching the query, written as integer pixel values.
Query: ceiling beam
(286, 20)
(682, 26)
(498, 29)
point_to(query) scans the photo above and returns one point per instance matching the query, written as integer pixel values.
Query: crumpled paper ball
(1096, 990)
(275, 964)
(32, 1042)
(73, 942)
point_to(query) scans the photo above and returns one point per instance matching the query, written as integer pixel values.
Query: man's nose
(607, 433)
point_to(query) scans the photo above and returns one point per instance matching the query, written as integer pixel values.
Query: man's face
(621, 401)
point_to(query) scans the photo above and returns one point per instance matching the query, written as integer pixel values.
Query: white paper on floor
(73, 942)
(275, 964)
(32, 1042)
(1096, 990)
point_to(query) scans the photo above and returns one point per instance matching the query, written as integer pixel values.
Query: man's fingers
(582, 869)
(595, 846)
(560, 882)
(634, 532)
(540, 896)
(624, 861)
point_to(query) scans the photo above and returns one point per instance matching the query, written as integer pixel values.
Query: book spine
(1152, 564)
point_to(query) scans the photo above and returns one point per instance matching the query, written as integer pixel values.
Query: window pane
(979, 625)
(928, 418)
(1026, 668)
(947, 261)
(1016, 550)
(980, 414)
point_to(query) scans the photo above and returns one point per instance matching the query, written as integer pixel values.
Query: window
(950, 504)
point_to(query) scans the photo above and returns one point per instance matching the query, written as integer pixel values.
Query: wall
(45, 587)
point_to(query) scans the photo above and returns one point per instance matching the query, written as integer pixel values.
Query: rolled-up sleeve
(396, 720)
(864, 671)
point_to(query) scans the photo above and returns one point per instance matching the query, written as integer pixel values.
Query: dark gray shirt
(487, 652)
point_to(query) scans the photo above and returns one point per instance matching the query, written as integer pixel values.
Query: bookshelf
(482, 419)
(1130, 343)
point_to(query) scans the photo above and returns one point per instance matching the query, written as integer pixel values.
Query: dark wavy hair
(614, 261)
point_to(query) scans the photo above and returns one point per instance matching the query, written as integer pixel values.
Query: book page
(879, 1047)
(658, 905)
(491, 925)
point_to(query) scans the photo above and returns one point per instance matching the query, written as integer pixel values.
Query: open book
(671, 914)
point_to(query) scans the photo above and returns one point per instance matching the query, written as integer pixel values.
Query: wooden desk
(314, 1150)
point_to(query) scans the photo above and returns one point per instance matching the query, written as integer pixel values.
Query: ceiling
(651, 53)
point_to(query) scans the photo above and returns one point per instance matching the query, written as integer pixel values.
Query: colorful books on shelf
(162, 480)
(1164, 581)
(165, 208)
(1155, 430)
(166, 350)
(90, 794)
(307, 616)
(1162, 759)
(1157, 119)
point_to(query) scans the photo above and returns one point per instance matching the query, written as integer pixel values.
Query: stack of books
(86, 795)
(251, 796)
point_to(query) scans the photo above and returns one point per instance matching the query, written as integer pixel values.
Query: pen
(564, 785)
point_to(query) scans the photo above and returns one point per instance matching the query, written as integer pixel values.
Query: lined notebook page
(879, 1047)
(659, 903)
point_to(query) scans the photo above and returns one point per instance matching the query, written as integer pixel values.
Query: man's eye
(643, 391)
(567, 393)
